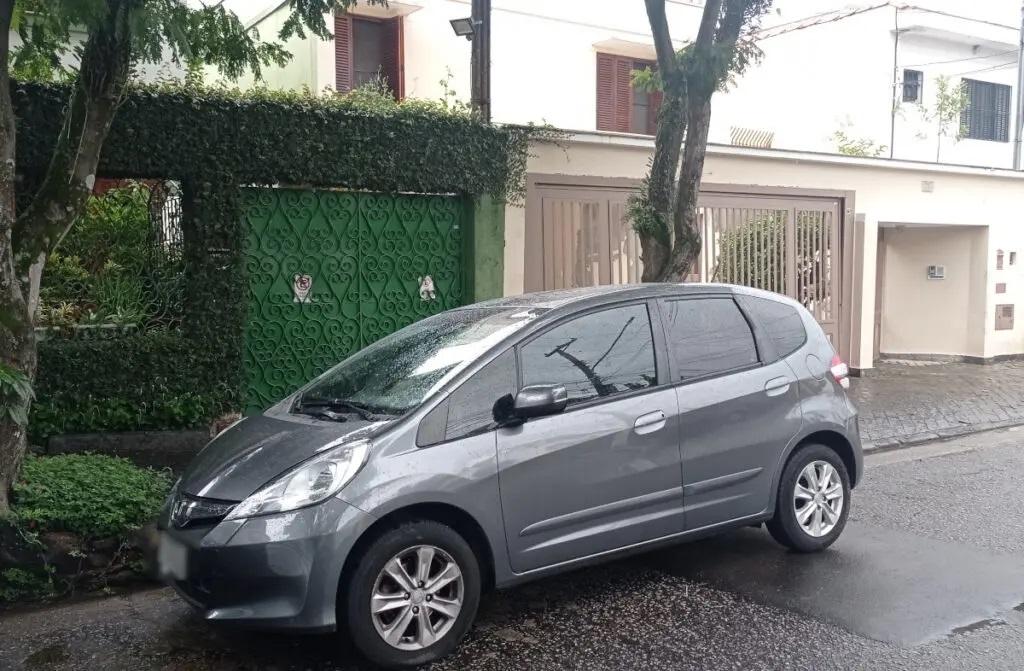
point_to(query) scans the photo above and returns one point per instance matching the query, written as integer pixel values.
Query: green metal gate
(332, 271)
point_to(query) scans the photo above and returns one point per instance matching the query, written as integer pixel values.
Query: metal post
(1019, 118)
(481, 58)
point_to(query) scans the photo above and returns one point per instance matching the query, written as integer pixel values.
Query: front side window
(471, 406)
(707, 336)
(597, 355)
(397, 373)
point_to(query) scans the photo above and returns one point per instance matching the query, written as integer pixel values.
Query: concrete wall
(916, 311)
(891, 192)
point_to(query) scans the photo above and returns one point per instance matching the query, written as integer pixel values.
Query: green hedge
(159, 380)
(213, 142)
(361, 141)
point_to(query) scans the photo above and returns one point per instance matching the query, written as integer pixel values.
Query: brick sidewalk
(904, 402)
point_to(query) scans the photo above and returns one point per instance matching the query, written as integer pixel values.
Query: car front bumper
(275, 571)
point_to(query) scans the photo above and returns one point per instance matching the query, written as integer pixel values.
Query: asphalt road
(928, 575)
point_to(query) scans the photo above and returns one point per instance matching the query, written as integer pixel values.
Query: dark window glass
(708, 336)
(987, 115)
(640, 119)
(600, 354)
(912, 81)
(471, 406)
(781, 322)
(367, 51)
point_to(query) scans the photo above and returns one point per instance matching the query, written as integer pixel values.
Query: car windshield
(397, 373)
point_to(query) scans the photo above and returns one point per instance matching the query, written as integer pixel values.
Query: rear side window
(781, 322)
(599, 354)
(707, 336)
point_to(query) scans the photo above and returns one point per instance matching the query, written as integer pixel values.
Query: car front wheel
(413, 595)
(813, 501)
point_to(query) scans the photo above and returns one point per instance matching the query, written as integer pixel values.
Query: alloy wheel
(818, 498)
(417, 597)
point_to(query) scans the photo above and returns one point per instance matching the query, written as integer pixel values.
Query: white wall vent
(936, 272)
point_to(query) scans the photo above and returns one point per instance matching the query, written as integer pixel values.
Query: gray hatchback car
(506, 440)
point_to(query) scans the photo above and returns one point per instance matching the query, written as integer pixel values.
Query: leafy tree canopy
(158, 29)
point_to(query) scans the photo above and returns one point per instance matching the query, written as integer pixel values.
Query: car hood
(258, 449)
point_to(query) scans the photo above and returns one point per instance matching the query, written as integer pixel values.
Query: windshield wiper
(322, 413)
(340, 404)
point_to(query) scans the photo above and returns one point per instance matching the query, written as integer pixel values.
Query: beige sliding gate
(784, 240)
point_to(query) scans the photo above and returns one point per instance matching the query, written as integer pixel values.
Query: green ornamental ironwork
(330, 272)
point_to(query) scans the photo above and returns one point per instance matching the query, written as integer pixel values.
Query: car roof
(561, 298)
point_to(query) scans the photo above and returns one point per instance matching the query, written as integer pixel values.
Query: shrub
(144, 381)
(92, 495)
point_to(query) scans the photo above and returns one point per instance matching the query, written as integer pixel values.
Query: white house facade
(868, 70)
(908, 250)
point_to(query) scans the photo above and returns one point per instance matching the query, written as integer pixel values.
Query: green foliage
(206, 33)
(92, 495)
(107, 271)
(15, 394)
(754, 254)
(946, 111)
(857, 146)
(215, 136)
(19, 584)
(183, 372)
(155, 380)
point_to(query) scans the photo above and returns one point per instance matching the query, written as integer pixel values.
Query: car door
(738, 409)
(604, 473)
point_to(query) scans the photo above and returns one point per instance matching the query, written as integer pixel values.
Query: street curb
(897, 442)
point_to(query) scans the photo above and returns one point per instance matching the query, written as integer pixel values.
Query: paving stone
(904, 402)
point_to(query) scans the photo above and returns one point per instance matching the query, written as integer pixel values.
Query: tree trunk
(17, 349)
(27, 240)
(656, 246)
(685, 227)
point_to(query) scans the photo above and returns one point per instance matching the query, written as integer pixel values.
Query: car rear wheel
(813, 501)
(413, 595)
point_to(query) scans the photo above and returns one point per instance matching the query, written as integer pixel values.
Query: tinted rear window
(707, 336)
(781, 322)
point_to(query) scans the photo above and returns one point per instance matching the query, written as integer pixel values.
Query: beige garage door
(578, 235)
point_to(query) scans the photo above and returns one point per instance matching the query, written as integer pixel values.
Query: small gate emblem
(301, 285)
(427, 291)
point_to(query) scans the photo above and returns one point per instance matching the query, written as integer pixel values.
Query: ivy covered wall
(213, 142)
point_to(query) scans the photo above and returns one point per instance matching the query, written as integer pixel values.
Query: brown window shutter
(393, 65)
(623, 94)
(343, 53)
(605, 92)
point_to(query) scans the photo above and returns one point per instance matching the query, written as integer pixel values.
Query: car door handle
(777, 386)
(649, 423)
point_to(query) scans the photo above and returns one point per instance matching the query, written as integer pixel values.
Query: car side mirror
(539, 400)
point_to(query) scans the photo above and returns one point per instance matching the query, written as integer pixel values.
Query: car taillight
(840, 372)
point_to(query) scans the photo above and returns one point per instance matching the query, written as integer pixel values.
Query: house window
(987, 115)
(620, 106)
(913, 83)
(368, 50)
(1004, 317)
(1013, 258)
(999, 259)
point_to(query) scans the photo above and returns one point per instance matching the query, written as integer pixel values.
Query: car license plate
(172, 558)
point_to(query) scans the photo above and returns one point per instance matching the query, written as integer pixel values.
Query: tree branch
(69, 179)
(668, 65)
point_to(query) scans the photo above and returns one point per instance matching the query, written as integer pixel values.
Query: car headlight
(310, 482)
